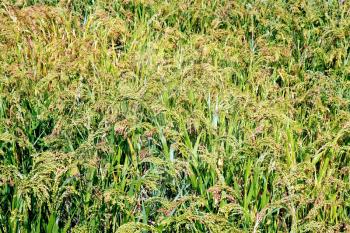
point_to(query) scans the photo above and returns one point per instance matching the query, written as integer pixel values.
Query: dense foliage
(174, 116)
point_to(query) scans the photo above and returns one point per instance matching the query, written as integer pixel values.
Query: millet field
(166, 116)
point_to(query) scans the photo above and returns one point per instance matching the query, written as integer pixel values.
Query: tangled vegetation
(174, 116)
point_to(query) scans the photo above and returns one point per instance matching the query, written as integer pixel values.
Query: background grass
(174, 116)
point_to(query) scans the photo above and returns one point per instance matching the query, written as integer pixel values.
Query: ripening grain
(174, 116)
